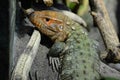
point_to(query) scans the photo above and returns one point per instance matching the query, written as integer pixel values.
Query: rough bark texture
(109, 35)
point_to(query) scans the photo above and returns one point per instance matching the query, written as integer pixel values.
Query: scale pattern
(80, 60)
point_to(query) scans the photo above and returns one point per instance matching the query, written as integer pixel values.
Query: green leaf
(71, 5)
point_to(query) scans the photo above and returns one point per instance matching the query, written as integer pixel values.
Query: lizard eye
(47, 19)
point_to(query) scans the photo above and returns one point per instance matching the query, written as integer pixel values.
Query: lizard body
(79, 58)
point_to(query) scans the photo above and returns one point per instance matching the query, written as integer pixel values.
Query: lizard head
(50, 23)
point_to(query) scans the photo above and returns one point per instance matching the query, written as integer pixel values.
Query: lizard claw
(55, 63)
(34, 77)
(54, 55)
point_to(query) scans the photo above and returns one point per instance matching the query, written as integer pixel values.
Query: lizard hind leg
(54, 54)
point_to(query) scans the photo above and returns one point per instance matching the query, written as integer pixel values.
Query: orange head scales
(51, 23)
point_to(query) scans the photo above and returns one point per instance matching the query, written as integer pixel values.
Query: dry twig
(25, 60)
(48, 2)
(74, 1)
(101, 18)
(106, 71)
(74, 17)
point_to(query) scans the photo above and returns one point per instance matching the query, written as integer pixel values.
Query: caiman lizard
(78, 58)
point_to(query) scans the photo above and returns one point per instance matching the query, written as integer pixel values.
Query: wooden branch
(25, 60)
(101, 18)
(74, 1)
(106, 71)
(74, 17)
(48, 2)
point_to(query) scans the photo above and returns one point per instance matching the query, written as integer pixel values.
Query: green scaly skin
(79, 60)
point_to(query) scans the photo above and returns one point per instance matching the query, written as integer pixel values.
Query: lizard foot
(55, 63)
(54, 55)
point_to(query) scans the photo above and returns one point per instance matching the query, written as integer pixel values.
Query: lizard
(78, 57)
(63, 30)
(73, 53)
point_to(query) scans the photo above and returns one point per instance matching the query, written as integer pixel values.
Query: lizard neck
(77, 33)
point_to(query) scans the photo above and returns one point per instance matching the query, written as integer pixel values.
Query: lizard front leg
(54, 54)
